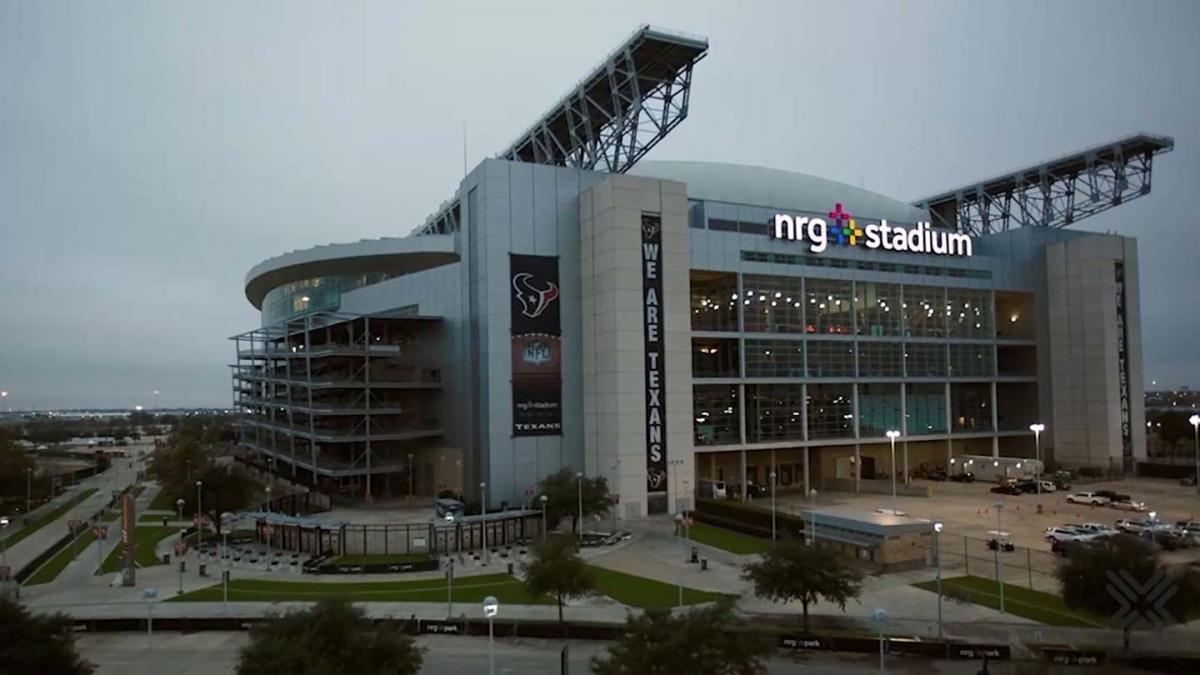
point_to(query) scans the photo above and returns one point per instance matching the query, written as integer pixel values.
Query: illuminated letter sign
(843, 229)
(656, 377)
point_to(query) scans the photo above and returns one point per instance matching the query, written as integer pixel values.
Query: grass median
(1042, 607)
(644, 593)
(391, 559)
(46, 519)
(466, 589)
(144, 540)
(50, 569)
(728, 540)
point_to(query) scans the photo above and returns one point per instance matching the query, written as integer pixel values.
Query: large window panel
(924, 311)
(714, 301)
(830, 358)
(972, 360)
(877, 307)
(716, 408)
(925, 359)
(926, 408)
(772, 304)
(880, 359)
(829, 306)
(830, 411)
(715, 357)
(971, 407)
(878, 409)
(774, 412)
(969, 312)
(774, 358)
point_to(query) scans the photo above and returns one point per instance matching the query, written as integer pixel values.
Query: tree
(1173, 426)
(37, 643)
(557, 570)
(794, 571)
(225, 488)
(1085, 582)
(330, 638)
(562, 492)
(698, 642)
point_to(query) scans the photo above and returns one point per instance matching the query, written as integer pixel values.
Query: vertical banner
(1123, 370)
(536, 346)
(128, 528)
(652, 332)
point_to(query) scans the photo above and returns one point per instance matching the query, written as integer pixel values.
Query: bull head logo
(534, 301)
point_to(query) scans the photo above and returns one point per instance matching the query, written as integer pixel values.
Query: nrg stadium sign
(847, 232)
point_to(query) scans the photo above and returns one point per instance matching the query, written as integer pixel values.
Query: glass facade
(715, 357)
(924, 311)
(714, 301)
(774, 412)
(926, 407)
(830, 358)
(878, 409)
(830, 411)
(969, 313)
(772, 304)
(925, 359)
(829, 306)
(972, 360)
(971, 407)
(774, 358)
(877, 307)
(297, 298)
(716, 409)
(880, 359)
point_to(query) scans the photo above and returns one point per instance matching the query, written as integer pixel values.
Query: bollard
(703, 564)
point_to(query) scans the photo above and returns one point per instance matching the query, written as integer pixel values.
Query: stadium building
(662, 323)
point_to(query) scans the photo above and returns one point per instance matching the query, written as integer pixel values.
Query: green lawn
(145, 539)
(734, 542)
(1042, 607)
(50, 569)
(157, 517)
(466, 589)
(628, 589)
(395, 559)
(162, 502)
(48, 518)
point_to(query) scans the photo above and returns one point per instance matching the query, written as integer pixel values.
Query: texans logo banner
(536, 345)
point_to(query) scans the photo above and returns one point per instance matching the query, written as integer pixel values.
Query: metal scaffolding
(1055, 193)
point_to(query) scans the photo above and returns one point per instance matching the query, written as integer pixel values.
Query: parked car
(1188, 481)
(1098, 529)
(1006, 489)
(1005, 545)
(1087, 498)
(1066, 533)
(1131, 526)
(1025, 485)
(963, 477)
(713, 489)
(1114, 496)
(1128, 505)
(1049, 486)
(1169, 539)
(1062, 480)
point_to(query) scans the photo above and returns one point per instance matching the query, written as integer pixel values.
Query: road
(216, 653)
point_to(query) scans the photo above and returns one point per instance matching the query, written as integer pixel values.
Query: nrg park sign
(847, 232)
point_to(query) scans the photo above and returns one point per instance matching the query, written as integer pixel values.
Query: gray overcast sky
(151, 153)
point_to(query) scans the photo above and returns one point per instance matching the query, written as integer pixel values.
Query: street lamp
(1037, 430)
(491, 607)
(579, 485)
(179, 505)
(772, 477)
(149, 595)
(543, 499)
(679, 532)
(268, 527)
(880, 617)
(892, 435)
(4, 549)
(483, 520)
(812, 510)
(1195, 420)
(937, 560)
(999, 567)
(179, 563)
(199, 517)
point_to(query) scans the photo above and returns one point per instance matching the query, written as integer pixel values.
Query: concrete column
(904, 463)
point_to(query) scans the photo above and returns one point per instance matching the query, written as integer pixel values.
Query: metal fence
(1021, 566)
(503, 529)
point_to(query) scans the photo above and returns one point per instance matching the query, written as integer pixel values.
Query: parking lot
(968, 509)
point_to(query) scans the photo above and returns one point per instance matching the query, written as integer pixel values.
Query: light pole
(880, 617)
(268, 527)
(679, 532)
(458, 476)
(449, 574)
(999, 568)
(812, 510)
(579, 486)
(772, 477)
(1195, 420)
(491, 607)
(937, 560)
(543, 499)
(483, 520)
(4, 544)
(892, 435)
(179, 563)
(179, 505)
(1037, 430)
(28, 491)
(199, 517)
(149, 595)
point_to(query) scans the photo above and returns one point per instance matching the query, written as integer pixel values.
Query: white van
(712, 489)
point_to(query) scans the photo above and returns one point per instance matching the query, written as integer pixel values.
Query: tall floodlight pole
(579, 486)
(999, 567)
(1037, 430)
(199, 517)
(483, 522)
(892, 435)
(543, 499)
(937, 561)
(1195, 420)
(268, 527)
(772, 477)
(679, 533)
(812, 511)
